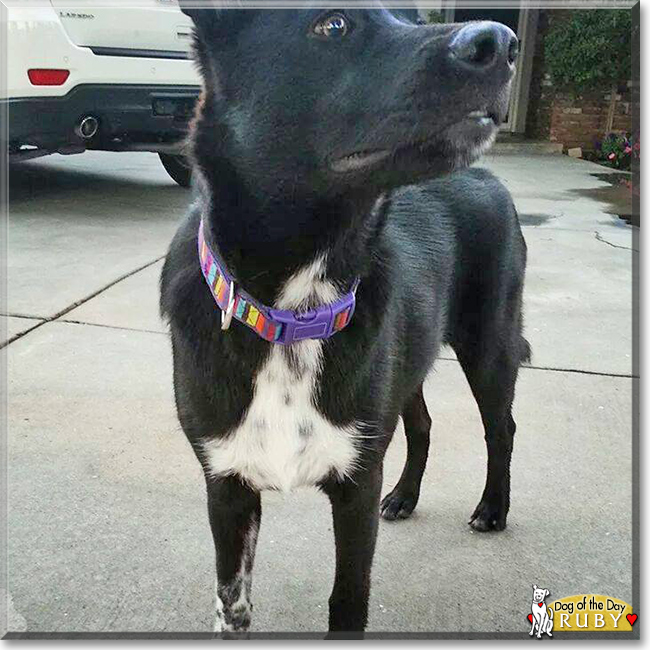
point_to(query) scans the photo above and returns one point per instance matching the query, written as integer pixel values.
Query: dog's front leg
(235, 511)
(355, 509)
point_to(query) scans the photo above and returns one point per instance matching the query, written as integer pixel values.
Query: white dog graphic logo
(542, 616)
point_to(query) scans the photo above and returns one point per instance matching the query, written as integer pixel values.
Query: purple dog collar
(275, 325)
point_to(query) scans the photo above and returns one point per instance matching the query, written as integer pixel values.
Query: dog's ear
(534, 586)
(203, 13)
(214, 17)
(546, 592)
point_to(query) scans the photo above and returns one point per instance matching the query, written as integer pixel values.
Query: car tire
(178, 167)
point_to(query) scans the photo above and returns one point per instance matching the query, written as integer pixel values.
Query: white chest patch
(283, 441)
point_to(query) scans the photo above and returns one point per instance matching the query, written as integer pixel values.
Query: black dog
(309, 123)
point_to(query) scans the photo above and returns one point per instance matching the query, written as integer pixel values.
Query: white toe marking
(233, 613)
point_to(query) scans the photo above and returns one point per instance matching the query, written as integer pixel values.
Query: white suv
(99, 77)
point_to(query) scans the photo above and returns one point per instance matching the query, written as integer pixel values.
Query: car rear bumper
(37, 39)
(129, 116)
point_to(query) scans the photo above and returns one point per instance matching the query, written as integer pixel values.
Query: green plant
(435, 17)
(590, 50)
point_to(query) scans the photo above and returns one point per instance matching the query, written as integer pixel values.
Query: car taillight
(41, 77)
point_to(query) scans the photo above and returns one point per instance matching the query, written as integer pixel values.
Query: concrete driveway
(107, 529)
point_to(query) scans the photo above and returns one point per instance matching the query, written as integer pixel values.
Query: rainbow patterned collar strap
(281, 326)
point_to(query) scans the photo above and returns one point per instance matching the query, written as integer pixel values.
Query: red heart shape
(540, 604)
(530, 618)
(631, 618)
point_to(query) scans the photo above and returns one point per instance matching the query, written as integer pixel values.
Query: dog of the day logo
(581, 613)
(541, 616)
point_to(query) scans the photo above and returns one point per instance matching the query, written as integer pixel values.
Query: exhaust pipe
(87, 127)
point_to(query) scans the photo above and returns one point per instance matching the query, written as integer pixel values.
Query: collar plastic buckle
(312, 324)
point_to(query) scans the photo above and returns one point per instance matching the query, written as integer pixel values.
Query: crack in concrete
(600, 238)
(69, 321)
(577, 371)
(63, 312)
(9, 314)
(76, 304)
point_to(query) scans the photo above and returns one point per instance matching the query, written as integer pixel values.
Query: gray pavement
(107, 529)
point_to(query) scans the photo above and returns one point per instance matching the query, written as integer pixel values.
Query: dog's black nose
(481, 45)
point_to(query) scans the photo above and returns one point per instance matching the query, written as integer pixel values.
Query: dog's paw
(234, 636)
(344, 636)
(228, 632)
(487, 517)
(398, 504)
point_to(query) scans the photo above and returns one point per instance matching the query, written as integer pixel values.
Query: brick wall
(575, 121)
(581, 121)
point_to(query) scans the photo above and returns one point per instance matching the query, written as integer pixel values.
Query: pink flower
(627, 150)
(612, 156)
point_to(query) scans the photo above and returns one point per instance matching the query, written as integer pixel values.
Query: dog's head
(326, 101)
(539, 594)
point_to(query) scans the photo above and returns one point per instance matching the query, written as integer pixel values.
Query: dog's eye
(334, 26)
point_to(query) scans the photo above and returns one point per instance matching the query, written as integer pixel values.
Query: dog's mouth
(360, 160)
(479, 125)
(484, 118)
